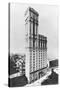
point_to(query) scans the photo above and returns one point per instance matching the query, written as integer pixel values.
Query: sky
(48, 26)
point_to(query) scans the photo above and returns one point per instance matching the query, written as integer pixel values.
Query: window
(26, 28)
(35, 44)
(31, 14)
(35, 17)
(31, 30)
(35, 29)
(31, 43)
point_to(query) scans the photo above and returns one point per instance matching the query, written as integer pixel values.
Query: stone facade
(36, 47)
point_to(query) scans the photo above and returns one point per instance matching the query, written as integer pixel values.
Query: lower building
(17, 65)
(53, 63)
(42, 49)
(39, 59)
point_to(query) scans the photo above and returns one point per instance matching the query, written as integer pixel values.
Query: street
(38, 82)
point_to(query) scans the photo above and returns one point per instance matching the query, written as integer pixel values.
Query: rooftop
(42, 36)
(32, 10)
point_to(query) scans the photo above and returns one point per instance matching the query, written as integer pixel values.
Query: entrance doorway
(39, 74)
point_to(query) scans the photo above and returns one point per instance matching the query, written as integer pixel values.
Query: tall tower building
(33, 62)
(31, 27)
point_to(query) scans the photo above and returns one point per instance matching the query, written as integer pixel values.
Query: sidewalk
(38, 82)
(15, 75)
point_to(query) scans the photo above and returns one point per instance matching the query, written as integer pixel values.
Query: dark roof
(32, 10)
(53, 63)
(42, 37)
